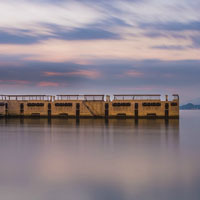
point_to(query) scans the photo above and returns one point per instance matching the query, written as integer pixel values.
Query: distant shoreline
(190, 106)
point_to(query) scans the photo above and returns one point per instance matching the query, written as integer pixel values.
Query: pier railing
(85, 97)
(137, 97)
(80, 97)
(26, 97)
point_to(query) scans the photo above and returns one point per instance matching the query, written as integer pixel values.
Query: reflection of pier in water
(92, 155)
(103, 133)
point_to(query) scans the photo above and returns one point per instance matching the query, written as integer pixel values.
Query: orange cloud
(91, 74)
(48, 84)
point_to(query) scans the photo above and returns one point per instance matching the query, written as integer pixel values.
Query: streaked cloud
(75, 34)
(14, 82)
(134, 73)
(169, 47)
(88, 51)
(196, 41)
(91, 74)
(173, 26)
(48, 84)
(141, 24)
(7, 38)
(32, 14)
(161, 11)
(91, 33)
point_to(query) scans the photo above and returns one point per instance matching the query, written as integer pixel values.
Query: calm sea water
(97, 160)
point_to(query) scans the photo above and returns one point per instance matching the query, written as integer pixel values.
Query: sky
(100, 47)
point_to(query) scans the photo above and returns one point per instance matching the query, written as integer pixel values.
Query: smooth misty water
(119, 160)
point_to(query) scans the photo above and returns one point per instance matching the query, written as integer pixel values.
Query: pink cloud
(53, 74)
(47, 84)
(91, 74)
(134, 73)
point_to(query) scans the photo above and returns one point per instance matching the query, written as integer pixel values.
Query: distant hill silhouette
(190, 106)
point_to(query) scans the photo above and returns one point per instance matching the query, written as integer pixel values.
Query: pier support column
(166, 110)
(106, 110)
(78, 110)
(6, 109)
(49, 110)
(21, 110)
(136, 110)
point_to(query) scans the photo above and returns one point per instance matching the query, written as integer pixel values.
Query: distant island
(190, 106)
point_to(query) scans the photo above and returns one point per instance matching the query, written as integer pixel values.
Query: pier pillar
(77, 110)
(106, 110)
(166, 110)
(21, 109)
(6, 109)
(136, 110)
(49, 110)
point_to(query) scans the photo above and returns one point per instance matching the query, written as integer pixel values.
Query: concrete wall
(146, 108)
(97, 107)
(38, 108)
(156, 108)
(87, 108)
(123, 109)
(2, 108)
(60, 109)
(174, 108)
(13, 108)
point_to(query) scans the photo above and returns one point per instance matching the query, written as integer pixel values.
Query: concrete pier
(91, 106)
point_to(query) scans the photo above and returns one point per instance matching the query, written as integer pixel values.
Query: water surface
(119, 159)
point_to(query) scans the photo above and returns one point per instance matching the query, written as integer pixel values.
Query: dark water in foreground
(93, 160)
